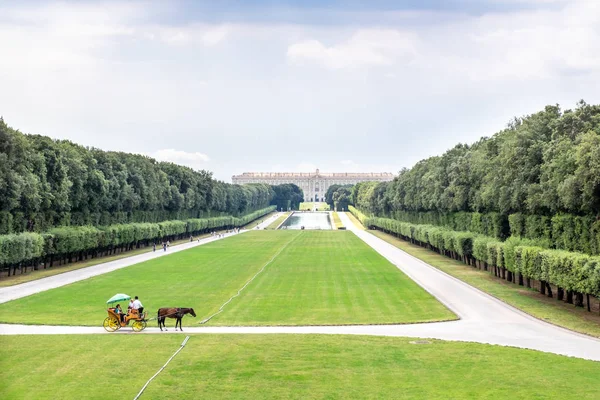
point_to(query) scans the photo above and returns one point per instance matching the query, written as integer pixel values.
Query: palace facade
(313, 184)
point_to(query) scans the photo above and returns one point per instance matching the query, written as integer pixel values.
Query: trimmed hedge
(571, 271)
(359, 215)
(64, 242)
(562, 231)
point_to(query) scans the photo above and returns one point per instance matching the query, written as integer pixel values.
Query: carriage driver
(137, 305)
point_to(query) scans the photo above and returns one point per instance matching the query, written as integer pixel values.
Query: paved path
(484, 319)
(40, 285)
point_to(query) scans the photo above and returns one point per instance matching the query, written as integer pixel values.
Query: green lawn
(326, 277)
(307, 205)
(528, 300)
(337, 222)
(321, 277)
(284, 366)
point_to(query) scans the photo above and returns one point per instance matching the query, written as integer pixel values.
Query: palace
(313, 184)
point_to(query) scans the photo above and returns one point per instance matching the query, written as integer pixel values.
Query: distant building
(313, 184)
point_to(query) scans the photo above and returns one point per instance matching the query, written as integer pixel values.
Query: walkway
(40, 285)
(484, 319)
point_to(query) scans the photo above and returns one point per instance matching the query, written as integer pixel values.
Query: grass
(51, 271)
(284, 366)
(322, 277)
(337, 222)
(325, 277)
(278, 221)
(321, 206)
(527, 300)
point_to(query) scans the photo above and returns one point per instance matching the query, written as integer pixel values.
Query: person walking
(153, 246)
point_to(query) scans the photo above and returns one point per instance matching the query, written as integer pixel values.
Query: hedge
(65, 242)
(561, 231)
(571, 271)
(359, 215)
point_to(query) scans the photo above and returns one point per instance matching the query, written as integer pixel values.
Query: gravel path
(483, 318)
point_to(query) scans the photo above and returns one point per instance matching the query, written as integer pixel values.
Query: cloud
(193, 160)
(215, 35)
(366, 47)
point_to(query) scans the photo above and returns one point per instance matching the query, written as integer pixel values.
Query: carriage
(113, 322)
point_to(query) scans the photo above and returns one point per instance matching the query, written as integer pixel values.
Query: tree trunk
(569, 297)
(528, 282)
(542, 287)
(520, 279)
(588, 302)
(579, 300)
(510, 277)
(560, 293)
(549, 289)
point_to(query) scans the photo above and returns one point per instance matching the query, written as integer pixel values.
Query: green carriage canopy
(118, 297)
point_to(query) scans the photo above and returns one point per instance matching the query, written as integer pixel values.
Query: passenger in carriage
(119, 312)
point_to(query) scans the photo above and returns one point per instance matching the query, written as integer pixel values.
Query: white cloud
(215, 35)
(366, 47)
(193, 160)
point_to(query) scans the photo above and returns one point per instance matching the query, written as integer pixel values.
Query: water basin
(308, 220)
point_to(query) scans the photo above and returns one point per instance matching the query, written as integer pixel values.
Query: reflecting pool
(308, 220)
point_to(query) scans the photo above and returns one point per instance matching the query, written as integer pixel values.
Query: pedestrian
(164, 246)
(191, 239)
(168, 243)
(153, 246)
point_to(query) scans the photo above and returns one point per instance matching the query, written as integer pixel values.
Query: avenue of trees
(60, 200)
(524, 203)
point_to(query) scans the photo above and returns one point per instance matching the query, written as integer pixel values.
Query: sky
(291, 86)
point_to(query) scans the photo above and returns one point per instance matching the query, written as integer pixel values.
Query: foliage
(287, 197)
(359, 215)
(46, 183)
(569, 270)
(539, 179)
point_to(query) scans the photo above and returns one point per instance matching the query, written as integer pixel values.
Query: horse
(174, 312)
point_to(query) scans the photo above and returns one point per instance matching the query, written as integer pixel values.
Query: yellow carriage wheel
(111, 324)
(138, 325)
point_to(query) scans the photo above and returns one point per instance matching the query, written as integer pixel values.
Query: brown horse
(177, 313)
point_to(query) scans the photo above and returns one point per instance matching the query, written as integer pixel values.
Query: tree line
(45, 183)
(339, 197)
(539, 178)
(524, 203)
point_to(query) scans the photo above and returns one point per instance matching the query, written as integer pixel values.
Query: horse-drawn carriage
(115, 320)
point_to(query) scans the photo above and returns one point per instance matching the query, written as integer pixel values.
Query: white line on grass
(163, 367)
(204, 321)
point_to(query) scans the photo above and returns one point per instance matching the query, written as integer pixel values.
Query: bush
(463, 243)
(359, 215)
